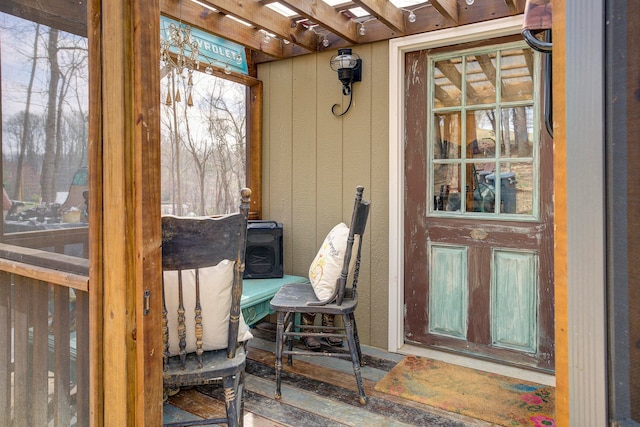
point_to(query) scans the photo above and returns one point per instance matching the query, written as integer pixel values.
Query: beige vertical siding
(313, 162)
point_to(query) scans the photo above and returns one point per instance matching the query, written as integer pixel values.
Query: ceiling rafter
(266, 19)
(448, 9)
(385, 12)
(312, 22)
(326, 16)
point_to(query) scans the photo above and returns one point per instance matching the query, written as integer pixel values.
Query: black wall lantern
(349, 68)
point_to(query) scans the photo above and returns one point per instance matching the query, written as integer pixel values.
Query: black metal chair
(300, 298)
(203, 263)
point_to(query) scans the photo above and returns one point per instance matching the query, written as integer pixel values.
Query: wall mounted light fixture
(349, 68)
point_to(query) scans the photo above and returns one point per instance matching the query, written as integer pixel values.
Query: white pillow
(215, 300)
(326, 267)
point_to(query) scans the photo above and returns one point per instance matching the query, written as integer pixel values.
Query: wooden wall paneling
(329, 152)
(281, 104)
(264, 74)
(356, 153)
(304, 168)
(378, 224)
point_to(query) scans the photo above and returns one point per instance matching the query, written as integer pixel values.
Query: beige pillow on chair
(326, 267)
(215, 300)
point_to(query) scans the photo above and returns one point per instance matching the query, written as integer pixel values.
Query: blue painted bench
(257, 293)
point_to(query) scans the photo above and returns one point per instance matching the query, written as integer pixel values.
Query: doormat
(477, 394)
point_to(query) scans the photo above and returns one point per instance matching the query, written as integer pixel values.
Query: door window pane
(496, 174)
(481, 78)
(447, 76)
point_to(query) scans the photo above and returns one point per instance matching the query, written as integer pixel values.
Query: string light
(470, 2)
(362, 30)
(325, 41)
(412, 16)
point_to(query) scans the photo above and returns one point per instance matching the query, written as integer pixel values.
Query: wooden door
(478, 217)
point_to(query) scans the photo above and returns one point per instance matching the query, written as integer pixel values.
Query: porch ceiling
(272, 29)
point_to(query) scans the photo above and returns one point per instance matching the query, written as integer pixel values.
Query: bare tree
(48, 162)
(18, 189)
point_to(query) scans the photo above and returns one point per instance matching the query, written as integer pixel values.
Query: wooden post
(125, 213)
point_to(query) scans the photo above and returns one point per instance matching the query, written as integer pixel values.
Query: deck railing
(44, 332)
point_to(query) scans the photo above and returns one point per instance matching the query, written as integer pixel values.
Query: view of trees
(44, 109)
(203, 146)
(44, 73)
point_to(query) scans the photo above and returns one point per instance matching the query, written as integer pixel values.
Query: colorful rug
(491, 397)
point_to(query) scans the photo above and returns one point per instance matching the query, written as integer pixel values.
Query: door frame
(397, 49)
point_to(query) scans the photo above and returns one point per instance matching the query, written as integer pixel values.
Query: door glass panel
(517, 132)
(481, 79)
(448, 83)
(496, 174)
(446, 144)
(447, 187)
(516, 71)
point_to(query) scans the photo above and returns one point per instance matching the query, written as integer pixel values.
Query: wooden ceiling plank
(217, 24)
(384, 11)
(326, 16)
(448, 9)
(265, 18)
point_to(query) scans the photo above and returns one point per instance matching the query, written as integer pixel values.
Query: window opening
(203, 145)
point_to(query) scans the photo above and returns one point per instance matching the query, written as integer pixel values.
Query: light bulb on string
(362, 30)
(412, 17)
(227, 69)
(470, 2)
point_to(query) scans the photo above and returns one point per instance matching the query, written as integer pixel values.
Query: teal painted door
(478, 208)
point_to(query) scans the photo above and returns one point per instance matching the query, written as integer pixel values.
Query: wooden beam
(515, 6)
(326, 16)
(66, 15)
(448, 9)
(266, 19)
(385, 12)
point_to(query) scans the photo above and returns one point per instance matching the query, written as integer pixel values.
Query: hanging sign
(213, 50)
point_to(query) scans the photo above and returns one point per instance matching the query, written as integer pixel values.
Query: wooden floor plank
(205, 406)
(172, 414)
(318, 391)
(338, 378)
(371, 369)
(325, 407)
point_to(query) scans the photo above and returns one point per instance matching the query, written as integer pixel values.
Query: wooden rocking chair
(203, 263)
(341, 301)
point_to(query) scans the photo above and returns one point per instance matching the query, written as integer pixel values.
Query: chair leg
(234, 399)
(357, 338)
(354, 349)
(279, 346)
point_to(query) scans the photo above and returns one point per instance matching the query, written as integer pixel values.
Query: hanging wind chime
(179, 52)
